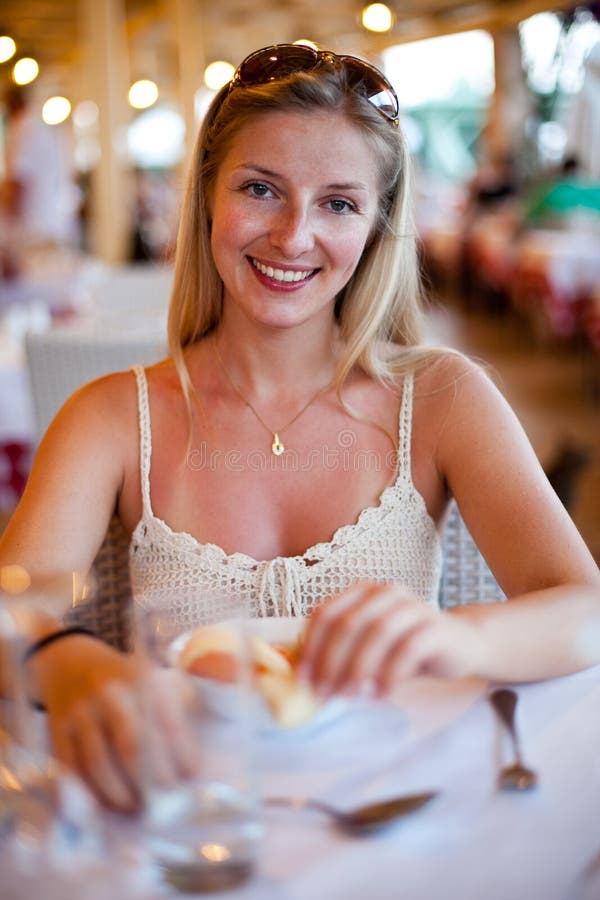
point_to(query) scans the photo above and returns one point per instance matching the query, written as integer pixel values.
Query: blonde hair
(381, 303)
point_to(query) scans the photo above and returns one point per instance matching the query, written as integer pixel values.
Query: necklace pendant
(277, 447)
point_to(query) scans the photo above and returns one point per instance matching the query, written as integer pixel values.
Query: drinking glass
(200, 822)
(48, 818)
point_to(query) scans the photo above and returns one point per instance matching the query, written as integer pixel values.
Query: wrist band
(55, 636)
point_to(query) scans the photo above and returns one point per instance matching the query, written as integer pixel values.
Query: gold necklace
(277, 446)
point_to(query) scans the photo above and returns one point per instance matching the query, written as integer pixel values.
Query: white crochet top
(394, 541)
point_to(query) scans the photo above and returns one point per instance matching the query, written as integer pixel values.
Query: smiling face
(294, 204)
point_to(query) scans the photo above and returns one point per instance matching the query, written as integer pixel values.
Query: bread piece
(291, 702)
(212, 650)
(269, 658)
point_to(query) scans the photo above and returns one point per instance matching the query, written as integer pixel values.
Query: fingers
(169, 726)
(122, 728)
(124, 737)
(376, 635)
(80, 741)
(351, 636)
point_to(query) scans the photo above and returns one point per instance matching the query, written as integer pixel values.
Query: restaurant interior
(500, 106)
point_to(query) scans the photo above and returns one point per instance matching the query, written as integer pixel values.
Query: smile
(283, 275)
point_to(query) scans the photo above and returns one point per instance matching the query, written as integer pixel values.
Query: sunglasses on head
(276, 62)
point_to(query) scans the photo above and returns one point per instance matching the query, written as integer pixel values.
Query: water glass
(201, 824)
(48, 818)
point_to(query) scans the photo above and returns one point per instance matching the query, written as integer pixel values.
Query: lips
(285, 276)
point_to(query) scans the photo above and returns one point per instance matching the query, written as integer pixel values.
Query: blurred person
(494, 181)
(565, 196)
(237, 465)
(39, 198)
(155, 216)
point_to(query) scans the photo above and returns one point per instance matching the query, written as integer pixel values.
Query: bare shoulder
(109, 404)
(483, 457)
(451, 390)
(109, 397)
(449, 373)
(76, 478)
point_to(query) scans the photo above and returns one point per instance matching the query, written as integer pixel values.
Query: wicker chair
(59, 361)
(466, 578)
(107, 614)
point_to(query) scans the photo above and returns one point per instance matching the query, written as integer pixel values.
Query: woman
(299, 410)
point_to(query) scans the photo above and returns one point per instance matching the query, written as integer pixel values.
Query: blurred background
(100, 101)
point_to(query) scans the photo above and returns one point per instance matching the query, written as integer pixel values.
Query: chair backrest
(62, 359)
(466, 578)
(108, 612)
(133, 289)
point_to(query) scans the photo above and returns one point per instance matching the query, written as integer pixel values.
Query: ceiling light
(143, 94)
(307, 43)
(217, 74)
(25, 70)
(377, 17)
(8, 48)
(55, 110)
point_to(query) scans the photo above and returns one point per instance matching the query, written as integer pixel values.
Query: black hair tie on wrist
(55, 636)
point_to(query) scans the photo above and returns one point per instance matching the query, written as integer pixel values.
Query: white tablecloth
(16, 405)
(471, 842)
(569, 259)
(126, 303)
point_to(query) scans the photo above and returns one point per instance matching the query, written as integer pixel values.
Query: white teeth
(281, 274)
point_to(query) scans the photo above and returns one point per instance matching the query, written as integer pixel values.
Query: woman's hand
(101, 717)
(372, 636)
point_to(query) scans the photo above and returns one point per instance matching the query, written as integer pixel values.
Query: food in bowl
(212, 652)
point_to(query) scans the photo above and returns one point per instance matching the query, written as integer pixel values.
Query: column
(510, 107)
(106, 73)
(192, 63)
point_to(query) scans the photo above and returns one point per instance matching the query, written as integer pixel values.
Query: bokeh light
(55, 110)
(25, 70)
(142, 94)
(217, 74)
(377, 17)
(8, 48)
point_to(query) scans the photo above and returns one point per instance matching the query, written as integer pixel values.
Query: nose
(292, 231)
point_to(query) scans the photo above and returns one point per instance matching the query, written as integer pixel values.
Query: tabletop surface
(470, 842)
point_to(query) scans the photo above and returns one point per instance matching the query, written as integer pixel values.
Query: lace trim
(389, 499)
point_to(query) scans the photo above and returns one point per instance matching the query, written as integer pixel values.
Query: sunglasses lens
(377, 89)
(385, 101)
(276, 62)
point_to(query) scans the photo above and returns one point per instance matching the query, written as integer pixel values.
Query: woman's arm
(551, 624)
(75, 482)
(510, 508)
(56, 530)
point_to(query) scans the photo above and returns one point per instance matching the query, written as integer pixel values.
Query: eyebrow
(337, 186)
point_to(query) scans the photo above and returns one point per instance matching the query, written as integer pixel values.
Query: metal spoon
(515, 777)
(363, 819)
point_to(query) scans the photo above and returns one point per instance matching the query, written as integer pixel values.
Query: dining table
(472, 841)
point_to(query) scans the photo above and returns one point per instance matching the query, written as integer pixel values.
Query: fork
(516, 776)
